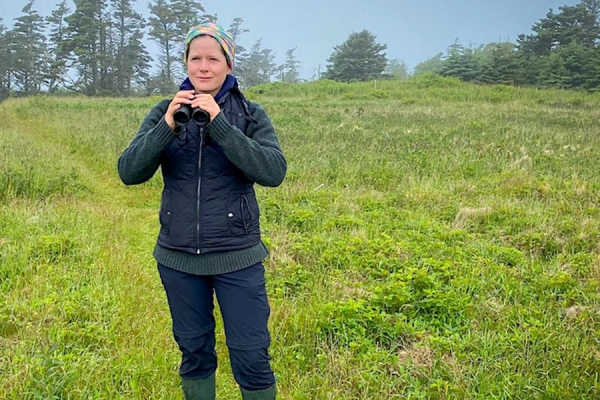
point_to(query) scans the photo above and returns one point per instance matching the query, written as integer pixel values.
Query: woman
(209, 237)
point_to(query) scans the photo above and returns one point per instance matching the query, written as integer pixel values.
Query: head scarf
(215, 31)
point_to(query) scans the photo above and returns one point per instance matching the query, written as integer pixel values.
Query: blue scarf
(230, 83)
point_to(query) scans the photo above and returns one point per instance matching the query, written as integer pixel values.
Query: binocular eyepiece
(183, 115)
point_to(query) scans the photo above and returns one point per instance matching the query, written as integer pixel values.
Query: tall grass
(432, 240)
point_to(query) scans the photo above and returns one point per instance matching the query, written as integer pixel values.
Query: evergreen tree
(58, 47)
(31, 62)
(164, 31)
(501, 64)
(397, 69)
(257, 67)
(562, 51)
(89, 40)
(592, 6)
(359, 58)
(433, 64)
(7, 57)
(289, 70)
(131, 58)
(573, 24)
(552, 72)
(188, 13)
(582, 66)
(236, 30)
(106, 56)
(463, 63)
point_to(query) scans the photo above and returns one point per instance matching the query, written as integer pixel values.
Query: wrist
(171, 123)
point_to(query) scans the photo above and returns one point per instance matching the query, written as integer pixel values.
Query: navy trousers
(245, 310)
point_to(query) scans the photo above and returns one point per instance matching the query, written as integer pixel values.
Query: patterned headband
(217, 32)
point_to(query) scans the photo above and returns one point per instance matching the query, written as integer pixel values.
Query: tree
(552, 72)
(57, 46)
(397, 69)
(433, 64)
(132, 61)
(89, 30)
(7, 57)
(582, 66)
(188, 13)
(289, 70)
(573, 24)
(562, 51)
(592, 6)
(359, 58)
(502, 64)
(164, 31)
(30, 51)
(462, 62)
(236, 30)
(257, 67)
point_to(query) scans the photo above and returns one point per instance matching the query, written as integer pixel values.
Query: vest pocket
(165, 218)
(243, 215)
(246, 214)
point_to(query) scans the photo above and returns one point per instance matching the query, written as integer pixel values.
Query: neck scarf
(230, 83)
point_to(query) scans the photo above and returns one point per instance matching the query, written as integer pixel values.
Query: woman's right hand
(182, 97)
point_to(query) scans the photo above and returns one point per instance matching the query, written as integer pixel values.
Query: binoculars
(183, 115)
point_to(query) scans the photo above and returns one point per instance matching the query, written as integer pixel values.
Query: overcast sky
(413, 30)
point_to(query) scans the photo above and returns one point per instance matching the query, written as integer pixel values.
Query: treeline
(563, 51)
(98, 49)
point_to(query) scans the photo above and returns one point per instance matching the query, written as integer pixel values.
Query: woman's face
(207, 65)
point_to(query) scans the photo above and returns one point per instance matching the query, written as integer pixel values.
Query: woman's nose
(203, 65)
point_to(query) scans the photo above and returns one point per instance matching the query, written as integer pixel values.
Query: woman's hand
(182, 97)
(207, 103)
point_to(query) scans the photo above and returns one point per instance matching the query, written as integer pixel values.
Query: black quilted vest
(208, 204)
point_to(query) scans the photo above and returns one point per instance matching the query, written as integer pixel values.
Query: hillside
(432, 239)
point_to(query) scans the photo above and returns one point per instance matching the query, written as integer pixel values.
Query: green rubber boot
(199, 389)
(265, 394)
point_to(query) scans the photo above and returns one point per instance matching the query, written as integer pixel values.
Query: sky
(413, 30)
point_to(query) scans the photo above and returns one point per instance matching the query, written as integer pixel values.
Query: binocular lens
(200, 116)
(183, 115)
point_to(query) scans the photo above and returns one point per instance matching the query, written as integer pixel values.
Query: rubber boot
(199, 389)
(265, 394)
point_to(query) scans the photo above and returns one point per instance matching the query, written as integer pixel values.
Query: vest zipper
(198, 193)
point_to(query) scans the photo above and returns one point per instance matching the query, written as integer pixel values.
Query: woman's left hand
(207, 103)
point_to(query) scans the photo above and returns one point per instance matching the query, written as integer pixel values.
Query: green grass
(432, 240)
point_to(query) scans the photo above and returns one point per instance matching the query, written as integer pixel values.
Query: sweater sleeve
(257, 153)
(141, 159)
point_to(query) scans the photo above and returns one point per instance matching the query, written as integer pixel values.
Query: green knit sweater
(256, 153)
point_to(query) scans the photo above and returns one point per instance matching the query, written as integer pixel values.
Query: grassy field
(432, 240)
